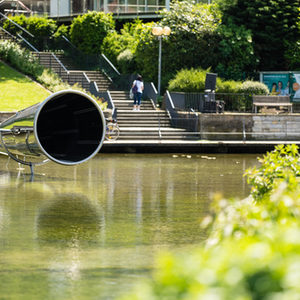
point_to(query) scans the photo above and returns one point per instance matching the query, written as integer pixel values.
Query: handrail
(110, 63)
(106, 95)
(67, 40)
(114, 111)
(26, 42)
(60, 63)
(19, 26)
(7, 32)
(87, 78)
(150, 92)
(180, 120)
(170, 99)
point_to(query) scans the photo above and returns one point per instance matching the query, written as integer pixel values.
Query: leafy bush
(62, 30)
(193, 80)
(282, 163)
(253, 88)
(126, 62)
(228, 86)
(262, 267)
(20, 58)
(42, 28)
(88, 31)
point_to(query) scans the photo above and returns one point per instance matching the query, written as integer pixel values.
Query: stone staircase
(47, 60)
(102, 82)
(146, 124)
(74, 76)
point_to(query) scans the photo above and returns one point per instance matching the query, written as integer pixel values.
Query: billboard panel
(282, 84)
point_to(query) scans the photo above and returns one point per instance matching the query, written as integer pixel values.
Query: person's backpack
(134, 89)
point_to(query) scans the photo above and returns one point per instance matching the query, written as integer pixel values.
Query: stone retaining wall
(257, 127)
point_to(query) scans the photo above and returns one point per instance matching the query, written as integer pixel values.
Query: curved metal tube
(68, 128)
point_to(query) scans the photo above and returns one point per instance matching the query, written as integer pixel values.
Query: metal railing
(106, 97)
(187, 119)
(150, 92)
(206, 102)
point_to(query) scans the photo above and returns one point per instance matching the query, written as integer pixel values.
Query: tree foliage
(88, 31)
(274, 26)
(197, 40)
(127, 39)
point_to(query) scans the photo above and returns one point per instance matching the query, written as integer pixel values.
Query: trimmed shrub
(228, 86)
(88, 31)
(193, 81)
(254, 88)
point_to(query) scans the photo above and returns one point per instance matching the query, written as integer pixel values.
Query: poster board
(283, 83)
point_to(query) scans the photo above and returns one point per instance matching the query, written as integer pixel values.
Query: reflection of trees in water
(162, 199)
(68, 218)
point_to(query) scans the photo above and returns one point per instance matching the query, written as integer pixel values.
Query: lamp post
(160, 33)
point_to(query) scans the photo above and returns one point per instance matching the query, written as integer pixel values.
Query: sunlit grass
(17, 91)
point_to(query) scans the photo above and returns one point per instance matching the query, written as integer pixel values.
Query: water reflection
(68, 219)
(91, 231)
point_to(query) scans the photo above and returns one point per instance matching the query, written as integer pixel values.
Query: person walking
(137, 89)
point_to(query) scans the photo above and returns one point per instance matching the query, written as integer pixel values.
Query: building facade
(68, 8)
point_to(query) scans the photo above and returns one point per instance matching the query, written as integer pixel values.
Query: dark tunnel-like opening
(69, 128)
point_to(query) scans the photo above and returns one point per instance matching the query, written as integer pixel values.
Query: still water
(94, 230)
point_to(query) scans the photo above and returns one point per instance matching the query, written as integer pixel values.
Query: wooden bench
(272, 101)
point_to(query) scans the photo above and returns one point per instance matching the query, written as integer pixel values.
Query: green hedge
(193, 80)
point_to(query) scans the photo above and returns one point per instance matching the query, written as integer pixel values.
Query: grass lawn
(17, 91)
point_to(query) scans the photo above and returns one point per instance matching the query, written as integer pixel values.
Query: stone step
(157, 135)
(142, 117)
(143, 124)
(128, 109)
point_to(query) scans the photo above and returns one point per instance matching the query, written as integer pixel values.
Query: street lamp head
(166, 30)
(157, 31)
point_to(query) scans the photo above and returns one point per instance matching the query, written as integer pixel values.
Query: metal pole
(159, 65)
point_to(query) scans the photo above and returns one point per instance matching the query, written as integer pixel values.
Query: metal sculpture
(68, 128)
